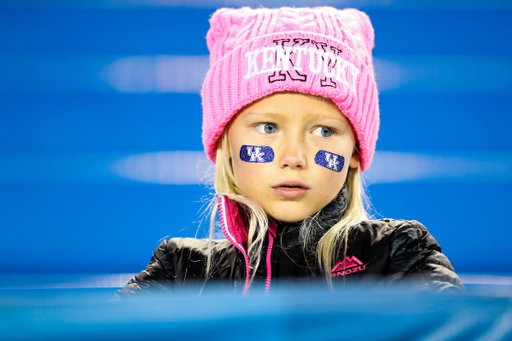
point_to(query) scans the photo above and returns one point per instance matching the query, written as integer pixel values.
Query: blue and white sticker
(256, 154)
(330, 160)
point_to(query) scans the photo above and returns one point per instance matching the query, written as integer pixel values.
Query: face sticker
(257, 154)
(329, 160)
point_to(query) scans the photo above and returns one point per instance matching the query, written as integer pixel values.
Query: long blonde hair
(329, 246)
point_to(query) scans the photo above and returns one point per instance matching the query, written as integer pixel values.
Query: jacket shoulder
(174, 261)
(410, 251)
(399, 233)
(389, 226)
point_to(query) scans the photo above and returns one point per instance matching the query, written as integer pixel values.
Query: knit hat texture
(321, 51)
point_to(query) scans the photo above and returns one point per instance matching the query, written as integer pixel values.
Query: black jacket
(379, 252)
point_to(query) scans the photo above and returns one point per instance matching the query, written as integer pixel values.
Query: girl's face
(292, 186)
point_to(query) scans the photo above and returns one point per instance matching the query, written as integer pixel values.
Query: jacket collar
(233, 224)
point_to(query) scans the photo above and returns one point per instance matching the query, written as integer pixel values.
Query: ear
(355, 159)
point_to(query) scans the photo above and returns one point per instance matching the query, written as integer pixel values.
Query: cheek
(331, 182)
(249, 164)
(249, 175)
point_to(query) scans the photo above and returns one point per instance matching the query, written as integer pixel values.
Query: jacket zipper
(225, 228)
(269, 263)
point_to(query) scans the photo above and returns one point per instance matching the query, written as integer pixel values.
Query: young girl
(291, 119)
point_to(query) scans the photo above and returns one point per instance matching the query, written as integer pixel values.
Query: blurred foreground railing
(287, 313)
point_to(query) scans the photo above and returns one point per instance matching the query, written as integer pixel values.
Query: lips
(290, 189)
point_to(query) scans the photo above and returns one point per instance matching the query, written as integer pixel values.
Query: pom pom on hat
(322, 51)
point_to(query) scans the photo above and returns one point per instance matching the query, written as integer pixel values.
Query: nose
(292, 153)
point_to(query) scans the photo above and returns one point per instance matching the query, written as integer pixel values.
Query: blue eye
(267, 128)
(323, 131)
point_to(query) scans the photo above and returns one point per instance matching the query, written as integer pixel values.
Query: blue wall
(90, 92)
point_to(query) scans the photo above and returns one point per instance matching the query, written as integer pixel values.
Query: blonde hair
(329, 246)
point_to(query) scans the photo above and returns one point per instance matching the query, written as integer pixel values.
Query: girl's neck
(308, 232)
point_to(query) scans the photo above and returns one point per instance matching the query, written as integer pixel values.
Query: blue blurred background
(100, 128)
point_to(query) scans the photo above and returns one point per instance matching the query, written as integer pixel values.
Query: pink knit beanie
(322, 51)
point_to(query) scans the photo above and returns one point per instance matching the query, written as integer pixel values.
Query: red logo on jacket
(348, 266)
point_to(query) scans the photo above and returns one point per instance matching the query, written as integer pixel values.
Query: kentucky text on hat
(293, 60)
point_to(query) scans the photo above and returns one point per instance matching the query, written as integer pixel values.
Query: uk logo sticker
(348, 266)
(256, 154)
(329, 160)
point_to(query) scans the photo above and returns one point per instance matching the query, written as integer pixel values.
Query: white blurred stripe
(397, 74)
(192, 167)
(362, 4)
(440, 74)
(388, 167)
(143, 74)
(165, 168)
(391, 167)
